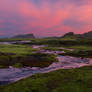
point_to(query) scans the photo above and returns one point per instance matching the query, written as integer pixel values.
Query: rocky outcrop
(69, 34)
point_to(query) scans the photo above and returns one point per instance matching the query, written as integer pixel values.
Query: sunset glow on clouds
(45, 17)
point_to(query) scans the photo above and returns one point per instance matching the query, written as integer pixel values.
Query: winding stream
(11, 74)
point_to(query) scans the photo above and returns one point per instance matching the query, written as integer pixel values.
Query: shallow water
(6, 43)
(10, 75)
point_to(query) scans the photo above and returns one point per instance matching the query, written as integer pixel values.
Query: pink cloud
(47, 18)
(44, 16)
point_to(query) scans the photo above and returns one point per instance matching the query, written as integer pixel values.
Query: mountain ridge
(84, 35)
(24, 36)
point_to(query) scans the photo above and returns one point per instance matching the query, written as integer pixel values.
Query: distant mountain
(24, 36)
(69, 34)
(87, 35)
(84, 35)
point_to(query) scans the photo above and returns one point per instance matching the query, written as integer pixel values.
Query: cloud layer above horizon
(45, 17)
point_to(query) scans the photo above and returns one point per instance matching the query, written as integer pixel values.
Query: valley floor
(64, 75)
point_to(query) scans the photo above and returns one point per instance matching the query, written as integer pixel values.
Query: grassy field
(14, 39)
(64, 42)
(73, 80)
(52, 48)
(80, 47)
(17, 49)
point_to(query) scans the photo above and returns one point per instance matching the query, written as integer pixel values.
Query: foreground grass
(73, 80)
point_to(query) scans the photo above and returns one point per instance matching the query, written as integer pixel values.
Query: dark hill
(88, 34)
(84, 35)
(69, 34)
(24, 36)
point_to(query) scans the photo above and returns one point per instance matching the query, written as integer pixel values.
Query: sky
(45, 18)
